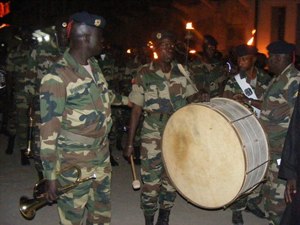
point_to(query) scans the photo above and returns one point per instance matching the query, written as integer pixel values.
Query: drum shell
(214, 152)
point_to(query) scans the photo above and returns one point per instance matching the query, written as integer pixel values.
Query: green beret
(242, 50)
(161, 35)
(88, 19)
(281, 47)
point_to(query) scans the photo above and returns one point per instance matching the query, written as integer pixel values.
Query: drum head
(203, 156)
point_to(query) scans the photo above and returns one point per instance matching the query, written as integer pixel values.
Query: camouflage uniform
(76, 119)
(263, 79)
(277, 108)
(110, 72)
(159, 98)
(17, 66)
(232, 88)
(41, 59)
(209, 77)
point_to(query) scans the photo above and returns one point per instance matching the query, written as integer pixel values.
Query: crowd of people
(69, 91)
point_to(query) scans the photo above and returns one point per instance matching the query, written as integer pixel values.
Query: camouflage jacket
(262, 81)
(208, 76)
(41, 59)
(278, 105)
(152, 91)
(17, 66)
(75, 113)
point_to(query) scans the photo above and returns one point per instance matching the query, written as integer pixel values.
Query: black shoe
(113, 162)
(255, 210)
(24, 158)
(237, 218)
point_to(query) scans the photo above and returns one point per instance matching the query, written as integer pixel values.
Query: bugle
(28, 207)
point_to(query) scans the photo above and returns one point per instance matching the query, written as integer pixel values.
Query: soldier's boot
(24, 158)
(149, 220)
(163, 217)
(10, 146)
(254, 209)
(237, 218)
(113, 162)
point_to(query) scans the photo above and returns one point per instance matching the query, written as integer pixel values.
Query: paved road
(17, 180)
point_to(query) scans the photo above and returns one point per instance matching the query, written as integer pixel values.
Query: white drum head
(203, 156)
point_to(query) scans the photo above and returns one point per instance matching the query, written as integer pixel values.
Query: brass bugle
(28, 207)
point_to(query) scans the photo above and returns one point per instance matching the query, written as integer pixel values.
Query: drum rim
(241, 144)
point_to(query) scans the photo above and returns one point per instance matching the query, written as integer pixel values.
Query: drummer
(247, 87)
(160, 88)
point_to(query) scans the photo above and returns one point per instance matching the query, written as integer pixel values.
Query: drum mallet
(135, 183)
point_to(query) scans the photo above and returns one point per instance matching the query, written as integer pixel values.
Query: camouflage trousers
(254, 198)
(22, 121)
(274, 192)
(92, 196)
(157, 186)
(36, 150)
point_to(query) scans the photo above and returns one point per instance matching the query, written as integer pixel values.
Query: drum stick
(135, 183)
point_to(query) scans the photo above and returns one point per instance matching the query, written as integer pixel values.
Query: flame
(128, 51)
(4, 25)
(155, 56)
(251, 40)
(189, 26)
(150, 44)
(192, 51)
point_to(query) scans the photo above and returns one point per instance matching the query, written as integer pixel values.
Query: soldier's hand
(205, 97)
(130, 104)
(290, 190)
(128, 151)
(239, 98)
(51, 191)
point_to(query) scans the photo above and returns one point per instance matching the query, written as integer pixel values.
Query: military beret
(208, 39)
(88, 19)
(242, 50)
(161, 35)
(281, 47)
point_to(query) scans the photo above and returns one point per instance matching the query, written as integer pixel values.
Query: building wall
(264, 22)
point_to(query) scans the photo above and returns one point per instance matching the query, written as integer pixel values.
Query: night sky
(128, 20)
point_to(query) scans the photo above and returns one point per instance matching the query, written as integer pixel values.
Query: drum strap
(248, 91)
(187, 76)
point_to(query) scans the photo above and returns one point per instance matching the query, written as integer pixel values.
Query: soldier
(256, 82)
(107, 64)
(17, 65)
(277, 107)
(251, 82)
(208, 71)
(41, 59)
(76, 119)
(160, 88)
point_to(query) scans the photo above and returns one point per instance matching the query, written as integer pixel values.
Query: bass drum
(214, 152)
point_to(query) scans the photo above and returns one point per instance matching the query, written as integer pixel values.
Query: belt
(77, 137)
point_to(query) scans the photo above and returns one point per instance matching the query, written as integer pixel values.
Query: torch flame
(189, 26)
(155, 56)
(251, 40)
